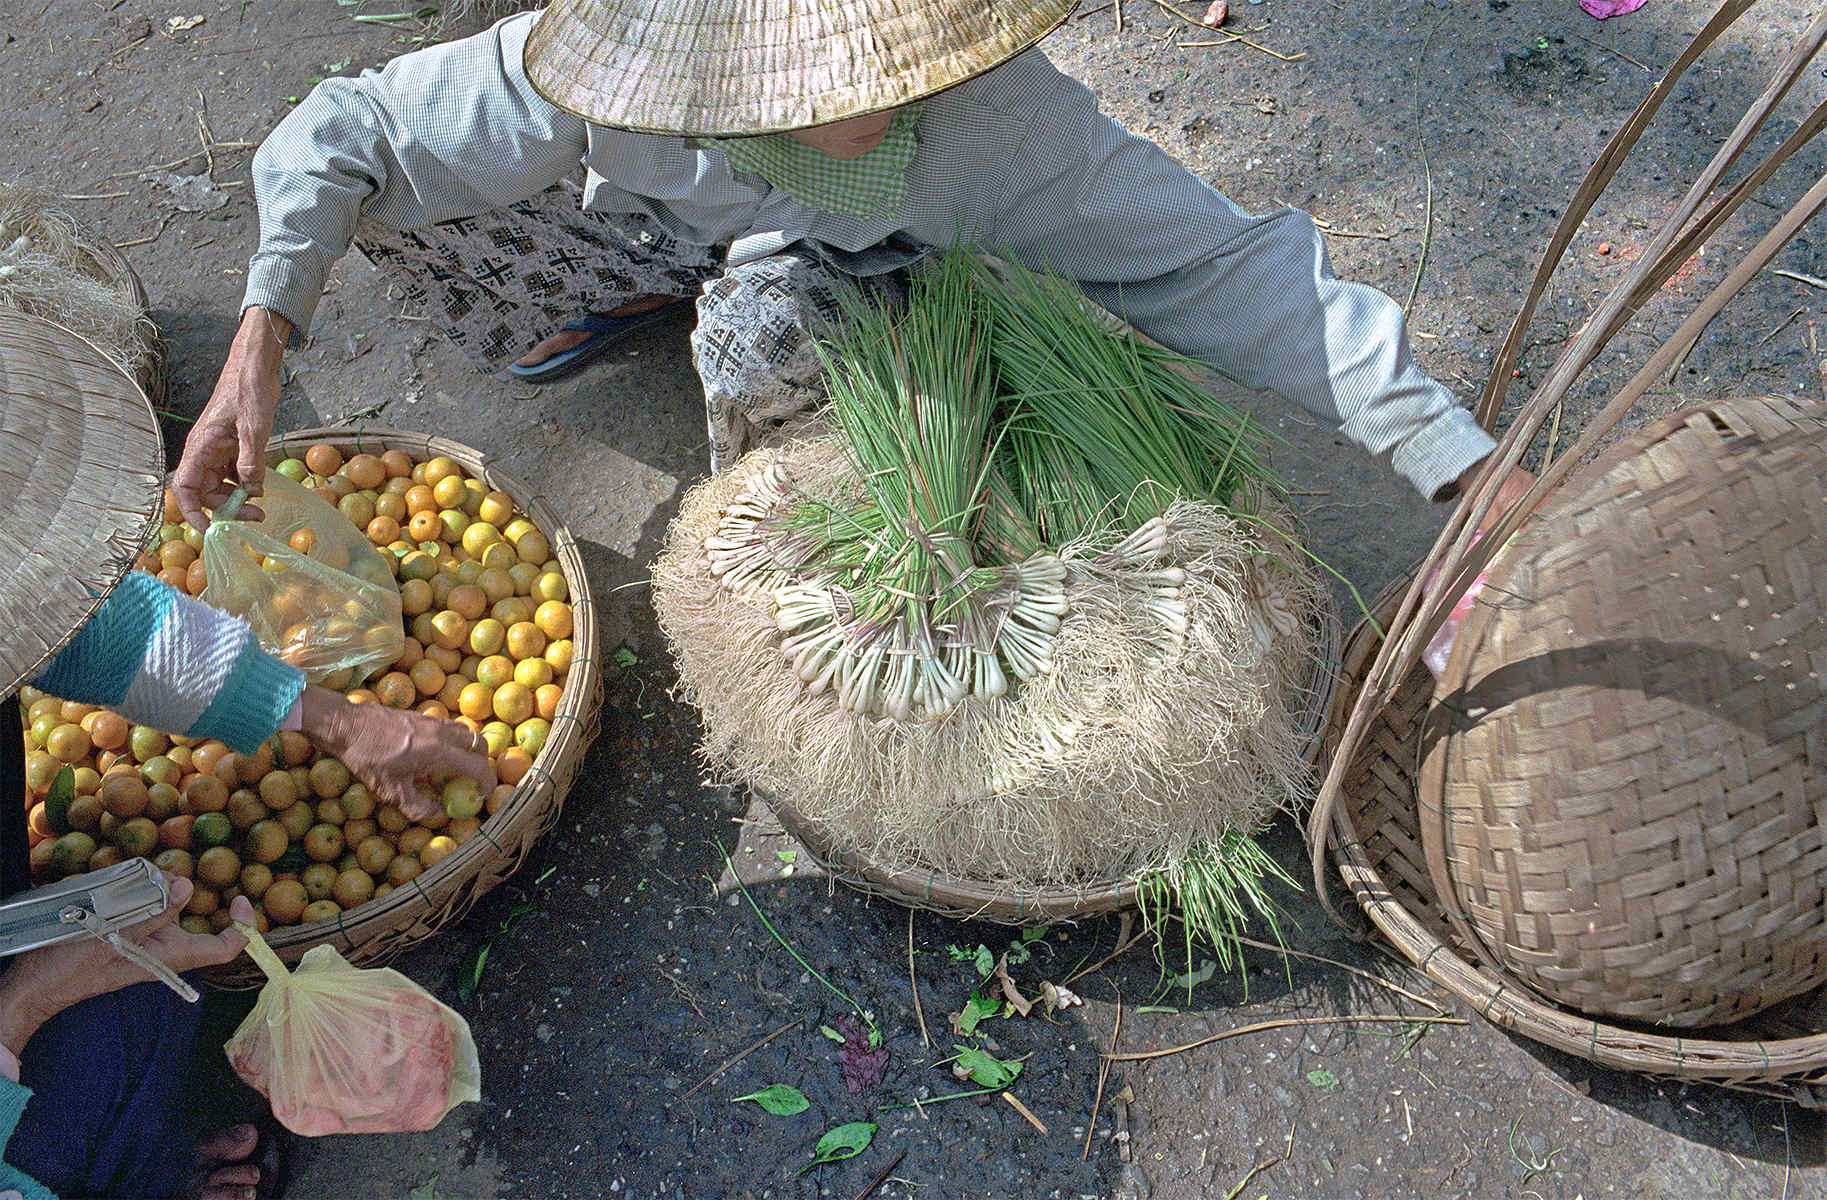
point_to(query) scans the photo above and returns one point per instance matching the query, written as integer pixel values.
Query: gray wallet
(99, 904)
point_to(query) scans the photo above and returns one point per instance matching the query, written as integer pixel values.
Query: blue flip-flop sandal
(605, 334)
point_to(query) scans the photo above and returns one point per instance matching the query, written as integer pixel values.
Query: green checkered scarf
(861, 188)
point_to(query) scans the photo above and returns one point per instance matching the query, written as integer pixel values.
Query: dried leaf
(180, 24)
(1057, 998)
(1010, 992)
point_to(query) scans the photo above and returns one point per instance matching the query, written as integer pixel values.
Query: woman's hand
(1515, 485)
(39, 984)
(228, 442)
(391, 749)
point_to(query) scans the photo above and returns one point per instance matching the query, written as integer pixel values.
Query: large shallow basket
(985, 900)
(106, 264)
(1376, 845)
(380, 928)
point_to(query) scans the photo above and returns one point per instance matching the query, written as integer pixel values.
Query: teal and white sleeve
(162, 659)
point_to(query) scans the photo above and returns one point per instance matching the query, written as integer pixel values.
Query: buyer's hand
(392, 749)
(39, 984)
(228, 442)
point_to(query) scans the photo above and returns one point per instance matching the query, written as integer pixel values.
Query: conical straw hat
(83, 484)
(715, 68)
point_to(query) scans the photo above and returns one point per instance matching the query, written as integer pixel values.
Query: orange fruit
(397, 463)
(108, 731)
(545, 700)
(513, 702)
(176, 554)
(525, 640)
(427, 677)
(449, 629)
(304, 541)
(420, 498)
(415, 597)
(477, 701)
(382, 530)
(365, 471)
(554, 619)
(196, 578)
(434, 708)
(449, 660)
(390, 504)
(68, 743)
(285, 901)
(468, 601)
(513, 764)
(396, 690)
(323, 459)
(424, 527)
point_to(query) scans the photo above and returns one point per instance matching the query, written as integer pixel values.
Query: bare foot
(568, 339)
(227, 1168)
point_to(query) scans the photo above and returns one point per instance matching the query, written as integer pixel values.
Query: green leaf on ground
(833, 1034)
(781, 1099)
(625, 658)
(984, 1069)
(1192, 979)
(1323, 1079)
(787, 857)
(976, 1010)
(986, 962)
(846, 1141)
(425, 1191)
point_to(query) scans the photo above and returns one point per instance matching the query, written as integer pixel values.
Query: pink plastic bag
(337, 1049)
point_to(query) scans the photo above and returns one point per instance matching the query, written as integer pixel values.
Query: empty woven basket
(1625, 775)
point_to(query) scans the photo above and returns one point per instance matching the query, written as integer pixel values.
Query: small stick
(1226, 37)
(1333, 962)
(1119, 16)
(1810, 280)
(122, 195)
(879, 1180)
(1264, 1165)
(732, 1062)
(919, 1012)
(154, 236)
(1614, 50)
(1090, 12)
(1102, 1075)
(1124, 942)
(1023, 1109)
(1554, 441)
(684, 992)
(1261, 1026)
(206, 139)
(1329, 231)
(123, 49)
(1764, 341)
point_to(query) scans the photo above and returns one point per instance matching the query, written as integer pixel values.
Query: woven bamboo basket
(1368, 816)
(1377, 848)
(377, 930)
(1622, 780)
(985, 900)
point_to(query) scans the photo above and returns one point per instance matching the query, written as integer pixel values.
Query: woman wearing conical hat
(548, 186)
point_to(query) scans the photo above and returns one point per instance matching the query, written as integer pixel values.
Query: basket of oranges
(499, 633)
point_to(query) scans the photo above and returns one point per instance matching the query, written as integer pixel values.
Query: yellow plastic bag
(337, 1049)
(313, 588)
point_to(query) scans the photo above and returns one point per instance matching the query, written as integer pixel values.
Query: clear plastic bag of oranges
(339, 1049)
(314, 590)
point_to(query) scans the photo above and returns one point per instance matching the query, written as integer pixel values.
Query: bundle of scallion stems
(991, 421)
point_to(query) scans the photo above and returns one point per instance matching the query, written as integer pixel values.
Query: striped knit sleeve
(13, 1097)
(176, 664)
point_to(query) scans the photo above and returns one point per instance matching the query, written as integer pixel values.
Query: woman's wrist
(322, 716)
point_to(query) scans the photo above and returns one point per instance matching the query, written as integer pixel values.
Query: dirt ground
(1439, 142)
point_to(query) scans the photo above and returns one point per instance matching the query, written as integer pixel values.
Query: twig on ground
(1025, 1111)
(1119, 16)
(1282, 1023)
(879, 1180)
(123, 49)
(1427, 169)
(1333, 962)
(1635, 62)
(685, 993)
(96, 196)
(1225, 37)
(206, 139)
(154, 236)
(1103, 1074)
(1554, 442)
(1810, 280)
(919, 1012)
(1124, 942)
(1771, 336)
(1262, 1166)
(1333, 231)
(711, 1078)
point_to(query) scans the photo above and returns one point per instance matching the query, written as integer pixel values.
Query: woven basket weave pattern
(1632, 806)
(375, 931)
(1376, 845)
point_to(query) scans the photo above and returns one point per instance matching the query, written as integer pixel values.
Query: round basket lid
(84, 484)
(716, 70)
(1626, 773)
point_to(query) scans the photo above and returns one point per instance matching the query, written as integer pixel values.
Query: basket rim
(536, 799)
(1508, 1003)
(975, 899)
